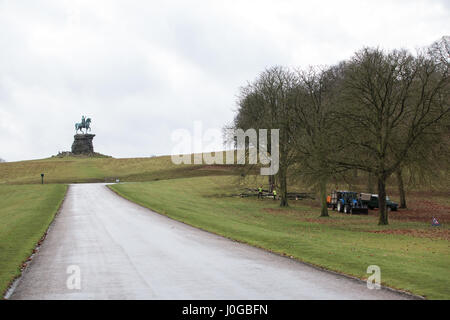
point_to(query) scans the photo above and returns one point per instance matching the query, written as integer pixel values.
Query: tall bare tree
(314, 134)
(267, 103)
(389, 101)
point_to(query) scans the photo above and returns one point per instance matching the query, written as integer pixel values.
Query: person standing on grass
(274, 194)
(260, 192)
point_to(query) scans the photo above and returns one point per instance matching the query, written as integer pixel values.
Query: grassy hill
(78, 170)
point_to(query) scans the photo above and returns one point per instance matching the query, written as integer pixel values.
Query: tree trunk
(401, 188)
(271, 183)
(323, 198)
(382, 201)
(283, 187)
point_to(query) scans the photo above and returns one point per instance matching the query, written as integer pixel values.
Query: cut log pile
(265, 193)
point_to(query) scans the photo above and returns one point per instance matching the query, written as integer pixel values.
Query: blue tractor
(348, 202)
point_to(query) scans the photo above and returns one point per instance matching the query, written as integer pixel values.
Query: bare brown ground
(431, 232)
(422, 210)
(422, 207)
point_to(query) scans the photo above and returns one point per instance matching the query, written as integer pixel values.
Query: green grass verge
(341, 243)
(26, 211)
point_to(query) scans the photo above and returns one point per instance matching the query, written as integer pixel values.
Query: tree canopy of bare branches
(380, 112)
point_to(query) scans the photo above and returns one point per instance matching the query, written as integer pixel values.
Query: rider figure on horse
(85, 124)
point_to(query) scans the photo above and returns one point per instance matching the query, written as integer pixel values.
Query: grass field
(411, 254)
(77, 170)
(25, 214)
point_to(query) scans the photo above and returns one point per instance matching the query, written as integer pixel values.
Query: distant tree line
(385, 113)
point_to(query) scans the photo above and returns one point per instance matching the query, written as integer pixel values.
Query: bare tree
(267, 104)
(428, 161)
(314, 133)
(389, 101)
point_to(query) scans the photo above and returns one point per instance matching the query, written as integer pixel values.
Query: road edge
(27, 262)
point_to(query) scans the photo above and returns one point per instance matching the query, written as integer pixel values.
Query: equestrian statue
(85, 124)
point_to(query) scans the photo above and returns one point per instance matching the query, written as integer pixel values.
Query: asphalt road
(123, 251)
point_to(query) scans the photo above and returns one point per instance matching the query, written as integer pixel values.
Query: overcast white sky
(142, 69)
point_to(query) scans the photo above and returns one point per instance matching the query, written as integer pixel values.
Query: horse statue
(85, 123)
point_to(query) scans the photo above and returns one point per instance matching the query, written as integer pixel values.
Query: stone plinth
(82, 144)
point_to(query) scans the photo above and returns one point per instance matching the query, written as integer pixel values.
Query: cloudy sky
(142, 69)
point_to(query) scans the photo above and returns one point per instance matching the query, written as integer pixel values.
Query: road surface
(119, 250)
